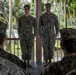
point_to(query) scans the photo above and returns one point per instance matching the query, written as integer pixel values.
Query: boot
(28, 64)
(46, 63)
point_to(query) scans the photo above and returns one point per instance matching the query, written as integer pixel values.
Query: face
(27, 10)
(48, 8)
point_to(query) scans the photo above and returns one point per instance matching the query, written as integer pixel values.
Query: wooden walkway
(37, 69)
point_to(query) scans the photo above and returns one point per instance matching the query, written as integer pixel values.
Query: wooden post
(47, 1)
(38, 40)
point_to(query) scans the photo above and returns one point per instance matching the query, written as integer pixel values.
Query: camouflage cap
(68, 33)
(47, 4)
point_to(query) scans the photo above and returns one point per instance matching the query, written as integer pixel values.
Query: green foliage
(32, 1)
(57, 44)
(51, 1)
(17, 9)
(73, 5)
(60, 0)
(16, 3)
(43, 7)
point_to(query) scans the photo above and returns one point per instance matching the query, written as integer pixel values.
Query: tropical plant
(17, 8)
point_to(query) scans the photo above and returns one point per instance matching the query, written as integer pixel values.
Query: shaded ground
(37, 69)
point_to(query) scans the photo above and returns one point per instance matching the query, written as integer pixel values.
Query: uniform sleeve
(9, 68)
(35, 27)
(40, 26)
(16, 60)
(19, 27)
(13, 59)
(50, 70)
(56, 25)
(46, 72)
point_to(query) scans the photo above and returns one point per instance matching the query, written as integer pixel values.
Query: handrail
(19, 38)
(12, 38)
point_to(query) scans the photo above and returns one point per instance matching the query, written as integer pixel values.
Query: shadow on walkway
(37, 69)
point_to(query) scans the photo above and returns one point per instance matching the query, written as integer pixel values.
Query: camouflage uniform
(73, 72)
(12, 58)
(9, 68)
(48, 34)
(26, 24)
(68, 63)
(62, 67)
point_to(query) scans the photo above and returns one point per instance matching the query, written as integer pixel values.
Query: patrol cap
(27, 5)
(48, 4)
(68, 33)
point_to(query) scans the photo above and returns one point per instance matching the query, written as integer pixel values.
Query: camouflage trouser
(26, 47)
(48, 48)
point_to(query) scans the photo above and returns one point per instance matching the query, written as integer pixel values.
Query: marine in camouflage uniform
(9, 68)
(62, 67)
(68, 62)
(48, 29)
(3, 53)
(26, 25)
(12, 58)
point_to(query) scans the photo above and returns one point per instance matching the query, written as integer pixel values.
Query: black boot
(28, 64)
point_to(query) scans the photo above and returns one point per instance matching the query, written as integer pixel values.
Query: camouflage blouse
(9, 68)
(62, 67)
(12, 58)
(27, 26)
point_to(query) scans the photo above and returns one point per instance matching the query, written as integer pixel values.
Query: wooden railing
(12, 45)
